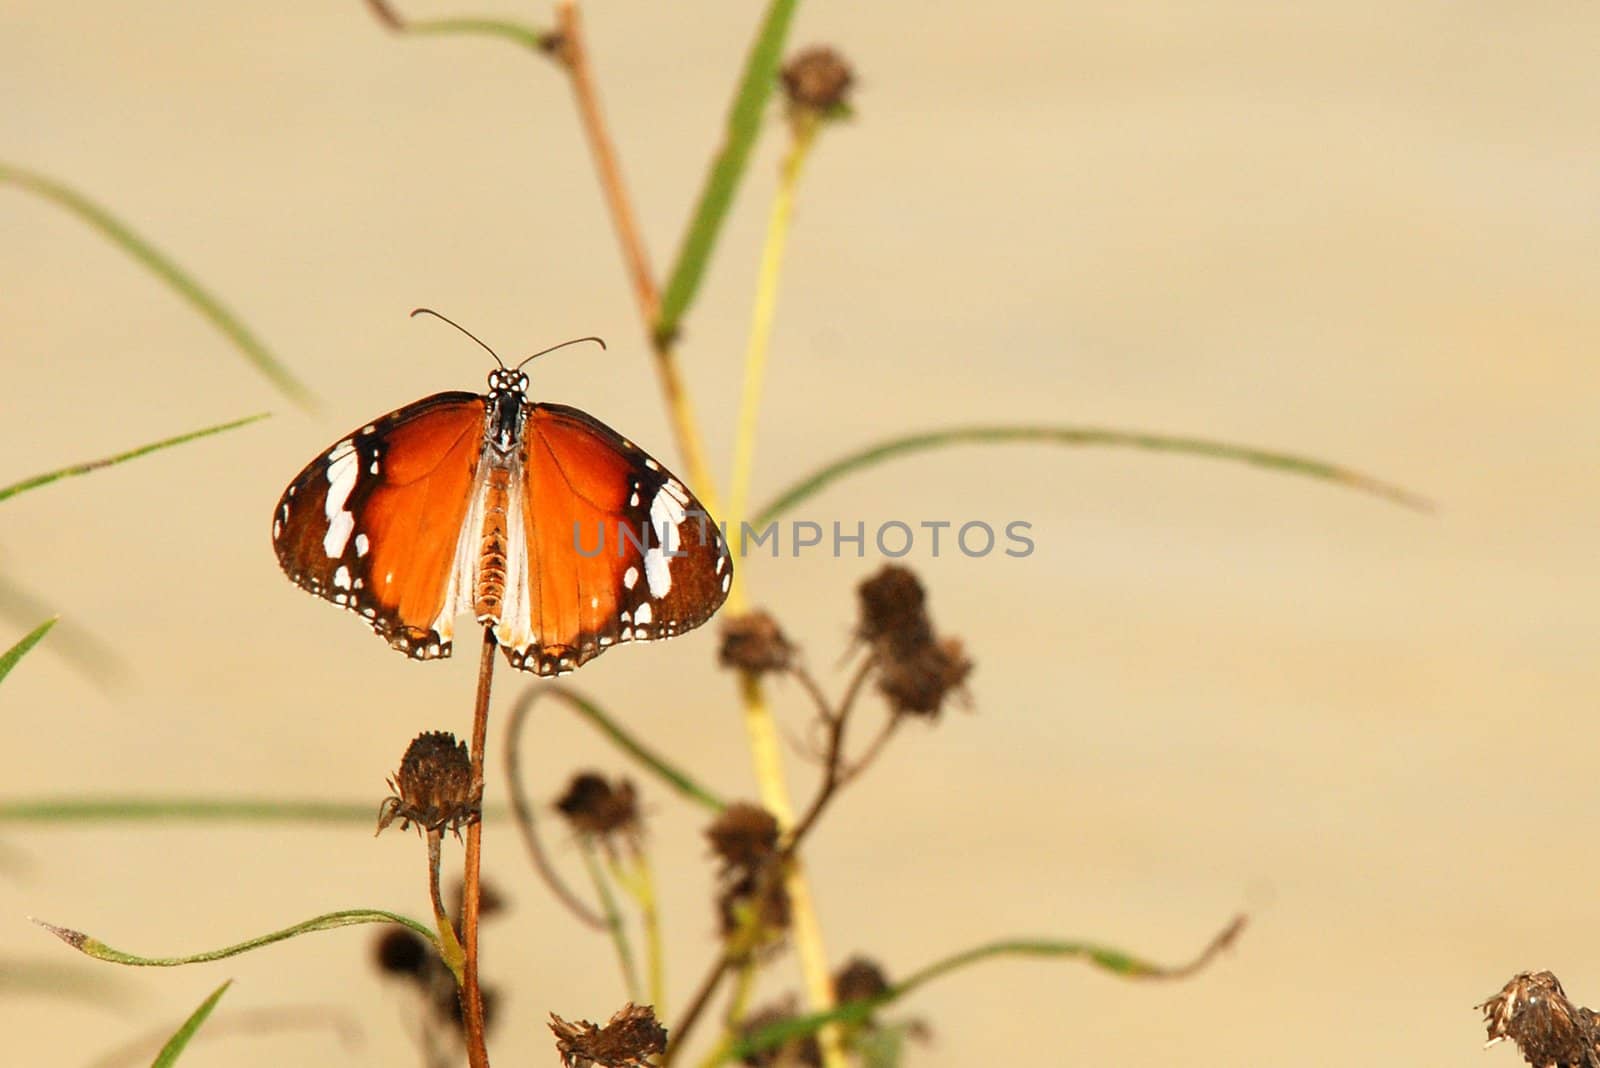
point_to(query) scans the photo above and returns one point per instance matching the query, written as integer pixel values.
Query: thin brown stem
(834, 772)
(471, 893)
(697, 1005)
(527, 826)
(573, 51)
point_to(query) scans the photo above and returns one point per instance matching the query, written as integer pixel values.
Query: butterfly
(537, 518)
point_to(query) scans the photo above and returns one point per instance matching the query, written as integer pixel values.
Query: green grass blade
(94, 810)
(1066, 435)
(94, 465)
(607, 725)
(9, 658)
(88, 653)
(180, 1038)
(97, 949)
(169, 272)
(1112, 960)
(727, 168)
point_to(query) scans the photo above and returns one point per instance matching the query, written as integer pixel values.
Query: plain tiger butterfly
(539, 519)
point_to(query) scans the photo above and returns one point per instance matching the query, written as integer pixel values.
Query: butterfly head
(505, 409)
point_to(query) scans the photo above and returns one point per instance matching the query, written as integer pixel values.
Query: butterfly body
(538, 519)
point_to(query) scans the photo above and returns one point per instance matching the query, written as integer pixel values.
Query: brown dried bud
(859, 980)
(818, 79)
(771, 915)
(628, 1040)
(753, 642)
(894, 614)
(1551, 1032)
(745, 836)
(917, 684)
(593, 806)
(433, 787)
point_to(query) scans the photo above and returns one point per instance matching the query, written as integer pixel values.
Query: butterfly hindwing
(373, 523)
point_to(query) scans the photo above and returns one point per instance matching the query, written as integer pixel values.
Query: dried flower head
(1551, 1032)
(744, 836)
(628, 1039)
(595, 807)
(433, 787)
(818, 79)
(916, 671)
(859, 980)
(918, 683)
(753, 642)
(894, 614)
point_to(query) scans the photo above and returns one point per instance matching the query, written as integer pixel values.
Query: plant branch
(449, 945)
(613, 917)
(515, 32)
(527, 826)
(472, 891)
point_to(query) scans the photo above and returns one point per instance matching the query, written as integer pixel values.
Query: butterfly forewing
(374, 522)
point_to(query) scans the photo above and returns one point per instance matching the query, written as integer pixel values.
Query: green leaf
(169, 272)
(100, 951)
(1066, 435)
(94, 465)
(9, 658)
(86, 651)
(197, 809)
(180, 1038)
(672, 776)
(1112, 960)
(744, 125)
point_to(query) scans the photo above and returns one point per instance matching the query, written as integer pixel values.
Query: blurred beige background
(1366, 232)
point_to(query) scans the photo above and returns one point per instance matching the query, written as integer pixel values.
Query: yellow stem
(639, 881)
(766, 303)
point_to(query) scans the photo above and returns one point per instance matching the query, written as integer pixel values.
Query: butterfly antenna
(429, 311)
(564, 344)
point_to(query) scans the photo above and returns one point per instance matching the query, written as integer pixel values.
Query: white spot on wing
(362, 545)
(341, 578)
(630, 578)
(666, 514)
(343, 467)
(642, 615)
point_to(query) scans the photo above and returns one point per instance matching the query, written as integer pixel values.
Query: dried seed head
(401, 951)
(859, 980)
(817, 79)
(916, 671)
(595, 807)
(1551, 1032)
(753, 642)
(757, 924)
(744, 836)
(918, 683)
(433, 787)
(894, 610)
(628, 1039)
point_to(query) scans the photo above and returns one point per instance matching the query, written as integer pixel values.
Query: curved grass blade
(180, 1039)
(9, 658)
(1104, 957)
(672, 776)
(516, 32)
(744, 125)
(169, 272)
(97, 949)
(94, 465)
(1066, 435)
(196, 809)
(269, 1020)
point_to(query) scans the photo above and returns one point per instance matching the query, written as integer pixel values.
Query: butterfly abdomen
(489, 596)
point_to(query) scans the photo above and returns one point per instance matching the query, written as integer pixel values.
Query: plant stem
(613, 917)
(641, 886)
(471, 893)
(449, 945)
(574, 54)
(755, 362)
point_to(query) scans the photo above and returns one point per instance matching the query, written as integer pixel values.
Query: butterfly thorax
(505, 411)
